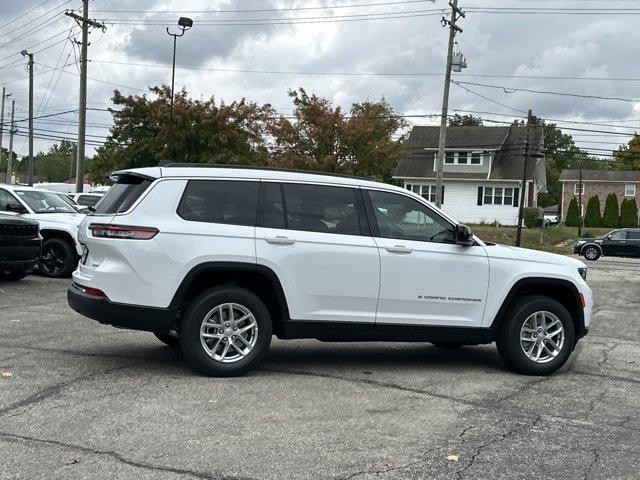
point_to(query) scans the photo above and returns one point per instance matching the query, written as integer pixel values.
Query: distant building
(624, 183)
(482, 172)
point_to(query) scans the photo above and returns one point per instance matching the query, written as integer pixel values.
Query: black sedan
(624, 242)
(20, 244)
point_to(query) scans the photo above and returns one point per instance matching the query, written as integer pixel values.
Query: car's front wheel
(591, 253)
(537, 337)
(57, 258)
(225, 331)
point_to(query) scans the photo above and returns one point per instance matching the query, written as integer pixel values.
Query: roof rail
(170, 164)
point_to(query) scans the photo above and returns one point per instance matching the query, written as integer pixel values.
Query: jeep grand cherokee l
(215, 260)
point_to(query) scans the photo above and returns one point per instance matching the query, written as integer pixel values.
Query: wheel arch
(591, 244)
(48, 233)
(560, 290)
(259, 279)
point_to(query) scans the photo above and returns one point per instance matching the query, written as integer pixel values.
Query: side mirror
(463, 235)
(608, 237)
(15, 207)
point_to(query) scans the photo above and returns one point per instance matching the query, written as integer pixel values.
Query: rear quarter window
(123, 194)
(232, 202)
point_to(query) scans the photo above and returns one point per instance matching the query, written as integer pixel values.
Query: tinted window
(618, 235)
(316, 208)
(633, 234)
(123, 194)
(220, 201)
(404, 218)
(270, 211)
(5, 199)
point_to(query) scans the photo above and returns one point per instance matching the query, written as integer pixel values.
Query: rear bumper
(133, 317)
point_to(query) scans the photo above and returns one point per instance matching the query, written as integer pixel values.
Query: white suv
(214, 260)
(58, 221)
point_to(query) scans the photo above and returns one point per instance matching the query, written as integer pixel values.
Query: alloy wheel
(591, 253)
(228, 332)
(542, 337)
(53, 259)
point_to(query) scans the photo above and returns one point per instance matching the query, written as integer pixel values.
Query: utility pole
(84, 22)
(12, 130)
(581, 211)
(531, 120)
(453, 29)
(30, 163)
(2, 123)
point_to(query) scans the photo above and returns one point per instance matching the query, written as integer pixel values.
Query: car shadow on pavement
(378, 356)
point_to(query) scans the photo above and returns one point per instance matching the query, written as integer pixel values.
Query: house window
(576, 189)
(630, 190)
(428, 192)
(476, 158)
(450, 157)
(462, 157)
(499, 196)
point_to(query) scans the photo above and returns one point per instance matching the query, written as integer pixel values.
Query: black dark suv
(20, 244)
(624, 242)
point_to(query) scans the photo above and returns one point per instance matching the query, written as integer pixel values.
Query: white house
(482, 172)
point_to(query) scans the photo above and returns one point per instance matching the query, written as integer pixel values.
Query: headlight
(581, 242)
(583, 273)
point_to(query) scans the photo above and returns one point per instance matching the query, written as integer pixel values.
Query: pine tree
(573, 214)
(593, 217)
(611, 215)
(629, 213)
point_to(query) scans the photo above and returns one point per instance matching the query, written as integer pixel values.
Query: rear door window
(88, 200)
(123, 194)
(233, 202)
(323, 209)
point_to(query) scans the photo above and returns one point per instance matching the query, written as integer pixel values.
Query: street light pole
(184, 24)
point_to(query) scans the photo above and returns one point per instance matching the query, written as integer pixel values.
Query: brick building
(625, 184)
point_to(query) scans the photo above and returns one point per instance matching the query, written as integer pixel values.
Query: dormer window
(464, 157)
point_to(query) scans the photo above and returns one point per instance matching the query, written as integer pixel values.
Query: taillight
(90, 291)
(101, 230)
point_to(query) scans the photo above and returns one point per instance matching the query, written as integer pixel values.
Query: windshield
(65, 198)
(45, 202)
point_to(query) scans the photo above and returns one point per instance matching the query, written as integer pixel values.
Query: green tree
(573, 214)
(593, 217)
(629, 155)
(611, 215)
(322, 138)
(465, 121)
(629, 213)
(203, 131)
(560, 151)
(57, 164)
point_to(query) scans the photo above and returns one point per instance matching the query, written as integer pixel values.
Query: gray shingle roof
(508, 141)
(600, 176)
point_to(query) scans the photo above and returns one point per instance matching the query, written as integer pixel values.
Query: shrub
(593, 218)
(529, 217)
(573, 214)
(629, 213)
(611, 215)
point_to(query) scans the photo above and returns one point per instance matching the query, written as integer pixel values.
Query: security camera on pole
(456, 13)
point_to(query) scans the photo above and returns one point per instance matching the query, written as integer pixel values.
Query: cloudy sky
(344, 50)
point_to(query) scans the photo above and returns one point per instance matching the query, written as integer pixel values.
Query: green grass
(556, 239)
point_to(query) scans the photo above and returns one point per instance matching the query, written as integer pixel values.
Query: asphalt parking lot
(82, 400)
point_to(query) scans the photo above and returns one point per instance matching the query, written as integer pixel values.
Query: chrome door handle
(280, 241)
(398, 249)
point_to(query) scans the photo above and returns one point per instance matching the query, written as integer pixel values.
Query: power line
(487, 98)
(260, 10)
(564, 94)
(25, 13)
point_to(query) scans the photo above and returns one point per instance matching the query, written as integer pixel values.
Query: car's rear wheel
(591, 253)
(57, 258)
(537, 337)
(225, 331)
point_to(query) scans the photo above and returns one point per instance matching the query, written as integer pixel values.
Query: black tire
(508, 336)
(14, 275)
(448, 345)
(192, 320)
(591, 253)
(58, 258)
(170, 340)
